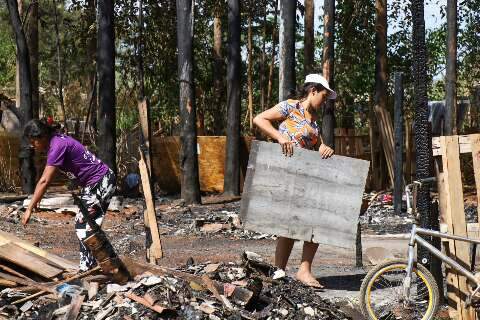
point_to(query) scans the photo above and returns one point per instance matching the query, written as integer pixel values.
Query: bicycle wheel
(382, 295)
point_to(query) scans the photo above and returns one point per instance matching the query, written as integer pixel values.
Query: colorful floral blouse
(302, 132)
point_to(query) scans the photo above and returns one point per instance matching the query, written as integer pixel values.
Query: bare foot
(308, 279)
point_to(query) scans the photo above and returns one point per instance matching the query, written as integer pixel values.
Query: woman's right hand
(26, 216)
(287, 146)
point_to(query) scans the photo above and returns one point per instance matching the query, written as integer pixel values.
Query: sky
(432, 12)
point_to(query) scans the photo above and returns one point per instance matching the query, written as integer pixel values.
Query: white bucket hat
(318, 78)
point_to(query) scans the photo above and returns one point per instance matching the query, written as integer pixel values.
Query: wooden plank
(464, 145)
(455, 209)
(303, 197)
(475, 146)
(144, 116)
(386, 134)
(446, 225)
(24, 282)
(28, 260)
(75, 307)
(155, 251)
(6, 238)
(144, 302)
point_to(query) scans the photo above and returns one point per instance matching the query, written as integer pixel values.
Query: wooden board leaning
(303, 197)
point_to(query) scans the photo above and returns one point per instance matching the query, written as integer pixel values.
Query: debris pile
(380, 217)
(250, 289)
(214, 220)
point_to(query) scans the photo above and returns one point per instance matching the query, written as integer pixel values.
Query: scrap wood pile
(250, 289)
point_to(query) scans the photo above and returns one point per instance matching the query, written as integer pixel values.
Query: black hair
(305, 89)
(35, 129)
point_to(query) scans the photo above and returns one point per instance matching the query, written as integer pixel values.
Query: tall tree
(380, 96)
(106, 83)
(17, 74)
(263, 59)
(231, 184)
(32, 43)
(218, 112)
(381, 54)
(328, 118)
(25, 83)
(188, 153)
(91, 52)
(250, 65)
(451, 74)
(59, 65)
(423, 135)
(309, 39)
(272, 58)
(286, 72)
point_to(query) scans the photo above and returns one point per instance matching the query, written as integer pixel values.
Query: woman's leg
(83, 231)
(282, 253)
(304, 273)
(96, 198)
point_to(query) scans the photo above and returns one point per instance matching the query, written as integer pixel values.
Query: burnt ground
(207, 233)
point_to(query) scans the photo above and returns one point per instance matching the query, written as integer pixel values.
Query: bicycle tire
(388, 265)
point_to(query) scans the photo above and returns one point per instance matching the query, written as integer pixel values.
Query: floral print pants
(96, 198)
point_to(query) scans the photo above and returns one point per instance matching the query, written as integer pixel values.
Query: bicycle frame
(415, 238)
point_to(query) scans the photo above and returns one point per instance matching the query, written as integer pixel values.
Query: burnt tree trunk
(218, 111)
(250, 69)
(286, 72)
(92, 52)
(328, 118)
(398, 184)
(188, 153)
(32, 43)
(263, 58)
(475, 106)
(309, 39)
(59, 66)
(381, 54)
(380, 97)
(423, 136)
(272, 59)
(17, 71)
(231, 184)
(26, 154)
(451, 74)
(106, 84)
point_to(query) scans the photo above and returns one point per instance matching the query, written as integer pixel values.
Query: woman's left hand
(325, 151)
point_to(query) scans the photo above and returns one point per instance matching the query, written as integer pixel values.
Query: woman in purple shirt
(70, 157)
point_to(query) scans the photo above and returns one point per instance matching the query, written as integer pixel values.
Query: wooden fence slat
(386, 133)
(464, 144)
(475, 146)
(455, 209)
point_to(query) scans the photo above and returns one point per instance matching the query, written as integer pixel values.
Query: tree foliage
(354, 51)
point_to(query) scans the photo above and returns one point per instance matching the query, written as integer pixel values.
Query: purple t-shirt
(71, 157)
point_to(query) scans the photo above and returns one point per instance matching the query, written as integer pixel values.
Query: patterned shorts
(97, 198)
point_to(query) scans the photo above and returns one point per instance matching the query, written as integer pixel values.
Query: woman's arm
(264, 122)
(42, 184)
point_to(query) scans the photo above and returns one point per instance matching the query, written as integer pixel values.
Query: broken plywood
(303, 197)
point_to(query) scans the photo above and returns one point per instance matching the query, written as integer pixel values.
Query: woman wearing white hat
(298, 128)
